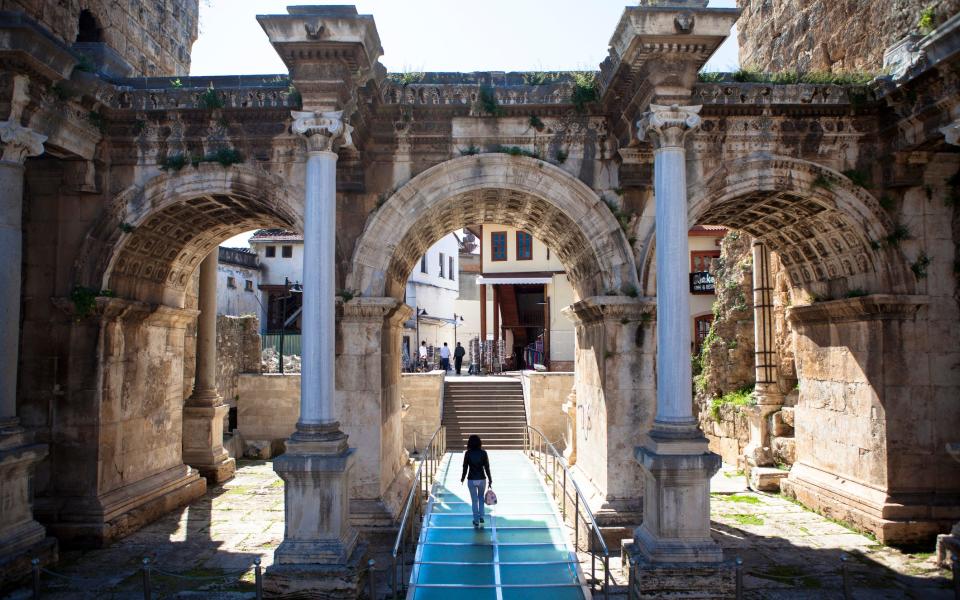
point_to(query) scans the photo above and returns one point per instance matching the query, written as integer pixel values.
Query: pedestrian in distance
(458, 354)
(445, 357)
(476, 470)
(423, 356)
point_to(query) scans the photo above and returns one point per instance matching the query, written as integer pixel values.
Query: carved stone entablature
(668, 126)
(107, 309)
(374, 310)
(324, 131)
(621, 309)
(865, 308)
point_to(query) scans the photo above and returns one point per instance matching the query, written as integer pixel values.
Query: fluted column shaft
(205, 380)
(668, 127)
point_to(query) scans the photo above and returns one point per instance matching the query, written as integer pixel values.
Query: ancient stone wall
(267, 412)
(422, 398)
(155, 38)
(544, 394)
(238, 351)
(828, 35)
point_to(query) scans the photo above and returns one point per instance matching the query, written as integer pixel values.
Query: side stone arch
(494, 188)
(152, 237)
(826, 230)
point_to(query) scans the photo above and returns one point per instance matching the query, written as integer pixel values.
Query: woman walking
(475, 464)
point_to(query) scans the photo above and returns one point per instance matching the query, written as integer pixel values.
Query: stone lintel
(109, 309)
(604, 308)
(865, 308)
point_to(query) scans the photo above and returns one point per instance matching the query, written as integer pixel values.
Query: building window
(450, 269)
(248, 285)
(524, 246)
(701, 327)
(498, 245)
(442, 275)
(231, 282)
(423, 263)
(286, 251)
(271, 251)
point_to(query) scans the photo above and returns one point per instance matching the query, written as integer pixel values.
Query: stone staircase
(491, 408)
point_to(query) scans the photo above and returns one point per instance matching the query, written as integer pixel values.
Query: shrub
(857, 177)
(927, 21)
(488, 102)
(210, 99)
(561, 156)
(174, 163)
(224, 156)
(742, 397)
(536, 122)
(919, 266)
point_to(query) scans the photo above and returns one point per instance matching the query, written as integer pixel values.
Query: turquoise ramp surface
(521, 552)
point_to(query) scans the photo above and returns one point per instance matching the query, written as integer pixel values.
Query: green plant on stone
(348, 295)
(822, 182)
(536, 122)
(487, 101)
(886, 202)
(224, 156)
(927, 21)
(857, 177)
(630, 290)
(85, 300)
(899, 234)
(856, 293)
(405, 79)
(210, 99)
(745, 519)
(176, 83)
(85, 64)
(62, 91)
(742, 397)
(470, 151)
(96, 119)
(126, 227)
(561, 156)
(919, 266)
(584, 90)
(710, 77)
(538, 78)
(174, 162)
(139, 126)
(294, 98)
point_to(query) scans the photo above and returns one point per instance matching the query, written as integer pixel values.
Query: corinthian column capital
(668, 126)
(18, 142)
(324, 131)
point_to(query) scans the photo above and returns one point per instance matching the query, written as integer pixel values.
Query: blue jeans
(477, 488)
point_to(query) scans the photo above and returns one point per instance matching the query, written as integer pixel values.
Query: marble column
(21, 537)
(676, 463)
(319, 546)
(204, 410)
(767, 390)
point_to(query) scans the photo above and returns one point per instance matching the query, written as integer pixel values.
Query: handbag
(490, 498)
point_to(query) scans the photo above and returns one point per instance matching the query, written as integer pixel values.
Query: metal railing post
(606, 577)
(146, 578)
(593, 558)
(554, 477)
(35, 568)
(258, 578)
(739, 572)
(576, 522)
(564, 507)
(846, 577)
(372, 585)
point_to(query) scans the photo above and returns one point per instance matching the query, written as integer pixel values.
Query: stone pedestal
(203, 442)
(949, 545)
(320, 554)
(21, 537)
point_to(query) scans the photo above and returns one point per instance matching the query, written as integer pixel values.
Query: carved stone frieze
(324, 131)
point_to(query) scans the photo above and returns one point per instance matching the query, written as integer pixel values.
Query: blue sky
(436, 35)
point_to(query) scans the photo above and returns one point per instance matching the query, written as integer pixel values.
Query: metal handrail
(579, 501)
(423, 479)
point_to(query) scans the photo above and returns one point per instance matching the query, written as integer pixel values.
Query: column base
(894, 519)
(203, 441)
(315, 471)
(320, 581)
(652, 580)
(94, 522)
(676, 501)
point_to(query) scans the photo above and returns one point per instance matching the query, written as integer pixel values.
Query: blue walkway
(523, 551)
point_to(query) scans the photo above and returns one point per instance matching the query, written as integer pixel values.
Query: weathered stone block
(784, 450)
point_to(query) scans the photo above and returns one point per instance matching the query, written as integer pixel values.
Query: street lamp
(421, 312)
(294, 288)
(456, 319)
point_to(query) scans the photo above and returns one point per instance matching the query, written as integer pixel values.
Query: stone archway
(615, 340)
(117, 438)
(518, 191)
(856, 328)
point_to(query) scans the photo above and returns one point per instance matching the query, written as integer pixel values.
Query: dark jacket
(459, 352)
(475, 462)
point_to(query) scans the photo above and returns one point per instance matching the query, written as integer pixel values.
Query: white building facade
(432, 291)
(238, 282)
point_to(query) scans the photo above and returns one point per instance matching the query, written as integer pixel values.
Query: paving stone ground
(788, 552)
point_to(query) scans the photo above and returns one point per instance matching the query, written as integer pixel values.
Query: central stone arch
(614, 357)
(522, 192)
